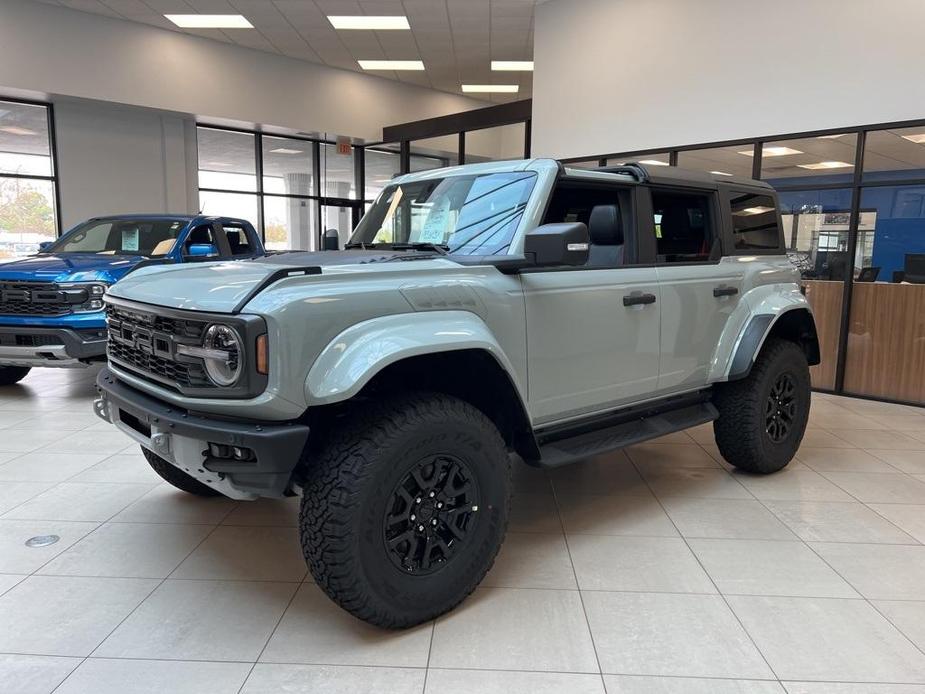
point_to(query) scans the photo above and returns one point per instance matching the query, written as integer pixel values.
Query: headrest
(605, 226)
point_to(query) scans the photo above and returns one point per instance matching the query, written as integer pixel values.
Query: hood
(69, 267)
(224, 286)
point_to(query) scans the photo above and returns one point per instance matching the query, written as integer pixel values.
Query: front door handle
(638, 298)
(724, 291)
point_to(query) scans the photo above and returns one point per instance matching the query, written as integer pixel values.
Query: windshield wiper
(421, 246)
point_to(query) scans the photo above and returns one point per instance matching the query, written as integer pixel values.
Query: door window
(683, 226)
(238, 241)
(604, 209)
(754, 222)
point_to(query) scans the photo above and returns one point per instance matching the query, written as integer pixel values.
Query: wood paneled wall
(825, 297)
(886, 341)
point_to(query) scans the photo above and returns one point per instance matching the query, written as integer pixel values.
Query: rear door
(698, 290)
(592, 332)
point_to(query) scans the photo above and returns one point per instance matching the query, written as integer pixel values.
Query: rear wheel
(176, 476)
(763, 416)
(12, 374)
(405, 508)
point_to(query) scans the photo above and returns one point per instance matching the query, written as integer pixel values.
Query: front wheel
(405, 508)
(12, 374)
(763, 416)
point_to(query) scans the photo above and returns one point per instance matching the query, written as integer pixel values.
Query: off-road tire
(176, 476)
(13, 374)
(742, 430)
(350, 489)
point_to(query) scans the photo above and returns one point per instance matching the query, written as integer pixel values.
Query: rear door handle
(724, 291)
(637, 298)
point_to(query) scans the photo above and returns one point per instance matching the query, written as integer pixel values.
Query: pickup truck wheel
(176, 476)
(405, 508)
(13, 374)
(763, 416)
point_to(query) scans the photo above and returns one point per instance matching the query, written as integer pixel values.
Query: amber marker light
(263, 356)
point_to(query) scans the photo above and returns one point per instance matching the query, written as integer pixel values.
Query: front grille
(33, 299)
(146, 344)
(13, 340)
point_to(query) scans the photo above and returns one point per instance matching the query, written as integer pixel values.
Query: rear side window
(754, 222)
(683, 226)
(238, 241)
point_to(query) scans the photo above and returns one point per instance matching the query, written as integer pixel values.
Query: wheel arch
(794, 323)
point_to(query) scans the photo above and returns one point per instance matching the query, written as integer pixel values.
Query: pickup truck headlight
(94, 292)
(223, 354)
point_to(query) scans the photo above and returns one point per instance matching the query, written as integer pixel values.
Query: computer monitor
(915, 268)
(868, 274)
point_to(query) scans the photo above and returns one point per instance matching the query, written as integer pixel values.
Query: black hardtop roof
(674, 175)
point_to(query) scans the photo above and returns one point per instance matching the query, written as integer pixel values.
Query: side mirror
(557, 244)
(44, 246)
(201, 250)
(331, 241)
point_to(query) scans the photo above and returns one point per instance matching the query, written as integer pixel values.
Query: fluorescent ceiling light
(720, 173)
(16, 130)
(774, 151)
(286, 150)
(831, 137)
(210, 21)
(748, 211)
(512, 65)
(918, 138)
(391, 64)
(378, 23)
(217, 163)
(654, 162)
(826, 165)
(487, 88)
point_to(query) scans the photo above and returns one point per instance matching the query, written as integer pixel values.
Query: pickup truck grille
(145, 343)
(33, 299)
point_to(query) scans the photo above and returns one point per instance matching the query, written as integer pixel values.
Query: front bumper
(182, 438)
(24, 345)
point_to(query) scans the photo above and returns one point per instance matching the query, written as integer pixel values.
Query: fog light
(240, 454)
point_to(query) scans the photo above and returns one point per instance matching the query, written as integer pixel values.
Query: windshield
(469, 215)
(148, 237)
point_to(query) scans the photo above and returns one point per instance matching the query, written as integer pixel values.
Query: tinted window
(199, 236)
(754, 222)
(238, 241)
(683, 226)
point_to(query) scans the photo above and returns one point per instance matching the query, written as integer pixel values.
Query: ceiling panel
(456, 39)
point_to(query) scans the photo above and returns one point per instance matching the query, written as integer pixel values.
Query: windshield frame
(62, 240)
(528, 210)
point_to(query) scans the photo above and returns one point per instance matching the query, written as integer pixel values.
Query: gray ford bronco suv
(479, 315)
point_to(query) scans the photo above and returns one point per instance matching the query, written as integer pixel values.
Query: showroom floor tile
(657, 570)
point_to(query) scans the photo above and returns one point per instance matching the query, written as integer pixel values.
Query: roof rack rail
(631, 168)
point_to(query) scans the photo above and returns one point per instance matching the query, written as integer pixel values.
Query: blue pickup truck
(51, 304)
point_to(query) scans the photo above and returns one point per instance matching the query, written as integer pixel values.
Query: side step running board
(573, 448)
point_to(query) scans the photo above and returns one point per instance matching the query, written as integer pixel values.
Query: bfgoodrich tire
(405, 508)
(177, 477)
(12, 374)
(762, 417)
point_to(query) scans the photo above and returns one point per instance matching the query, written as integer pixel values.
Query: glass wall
(282, 185)
(852, 234)
(28, 202)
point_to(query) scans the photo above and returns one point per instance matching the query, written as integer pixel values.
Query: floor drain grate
(42, 540)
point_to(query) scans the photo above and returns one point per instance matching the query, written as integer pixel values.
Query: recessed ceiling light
(654, 162)
(217, 163)
(512, 65)
(16, 130)
(831, 137)
(210, 21)
(773, 151)
(720, 173)
(918, 138)
(826, 165)
(368, 22)
(286, 150)
(391, 64)
(487, 88)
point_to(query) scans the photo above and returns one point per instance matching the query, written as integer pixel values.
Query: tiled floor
(652, 570)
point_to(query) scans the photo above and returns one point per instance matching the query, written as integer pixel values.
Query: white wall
(58, 51)
(619, 75)
(120, 160)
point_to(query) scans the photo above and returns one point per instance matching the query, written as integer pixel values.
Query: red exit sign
(344, 146)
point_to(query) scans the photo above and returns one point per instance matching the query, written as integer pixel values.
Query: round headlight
(225, 357)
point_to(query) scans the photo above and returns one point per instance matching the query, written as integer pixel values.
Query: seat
(606, 230)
